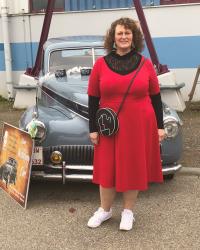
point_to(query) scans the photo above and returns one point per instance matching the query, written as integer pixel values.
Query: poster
(15, 163)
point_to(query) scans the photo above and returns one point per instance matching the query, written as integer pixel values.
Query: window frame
(32, 10)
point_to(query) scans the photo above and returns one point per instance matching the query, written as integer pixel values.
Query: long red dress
(130, 159)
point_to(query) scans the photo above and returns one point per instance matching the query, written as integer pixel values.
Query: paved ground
(167, 215)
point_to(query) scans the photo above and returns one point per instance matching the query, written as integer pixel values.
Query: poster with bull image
(15, 163)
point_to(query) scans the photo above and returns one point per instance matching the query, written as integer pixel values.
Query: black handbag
(106, 119)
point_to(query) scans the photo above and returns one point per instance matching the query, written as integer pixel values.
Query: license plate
(37, 158)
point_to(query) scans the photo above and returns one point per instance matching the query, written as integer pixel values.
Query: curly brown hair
(128, 23)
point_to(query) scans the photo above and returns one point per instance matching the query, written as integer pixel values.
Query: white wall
(187, 76)
(3, 89)
(17, 6)
(163, 21)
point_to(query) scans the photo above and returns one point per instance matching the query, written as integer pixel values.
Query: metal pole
(44, 35)
(161, 69)
(7, 48)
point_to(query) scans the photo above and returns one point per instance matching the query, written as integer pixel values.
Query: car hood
(71, 91)
(62, 126)
(73, 88)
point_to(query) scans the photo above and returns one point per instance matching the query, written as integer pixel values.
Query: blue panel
(67, 5)
(127, 3)
(82, 5)
(2, 61)
(113, 4)
(1, 47)
(146, 2)
(117, 4)
(122, 4)
(150, 2)
(90, 4)
(156, 2)
(172, 51)
(74, 5)
(178, 52)
(105, 4)
(98, 4)
(23, 55)
(130, 3)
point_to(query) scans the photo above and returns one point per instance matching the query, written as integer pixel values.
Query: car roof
(74, 41)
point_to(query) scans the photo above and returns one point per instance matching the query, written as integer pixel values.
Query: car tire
(168, 177)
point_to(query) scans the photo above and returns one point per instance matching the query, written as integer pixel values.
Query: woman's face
(123, 38)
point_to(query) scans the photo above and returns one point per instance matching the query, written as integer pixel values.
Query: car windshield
(73, 60)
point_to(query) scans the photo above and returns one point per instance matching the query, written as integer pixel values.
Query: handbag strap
(129, 86)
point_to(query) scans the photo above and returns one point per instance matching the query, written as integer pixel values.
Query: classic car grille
(72, 154)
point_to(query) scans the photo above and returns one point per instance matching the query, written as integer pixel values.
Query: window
(73, 60)
(81, 5)
(40, 6)
(166, 2)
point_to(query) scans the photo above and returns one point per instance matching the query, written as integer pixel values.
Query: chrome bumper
(63, 175)
(171, 169)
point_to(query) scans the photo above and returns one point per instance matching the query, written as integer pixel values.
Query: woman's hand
(94, 137)
(161, 134)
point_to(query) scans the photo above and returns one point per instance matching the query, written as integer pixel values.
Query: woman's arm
(93, 105)
(157, 106)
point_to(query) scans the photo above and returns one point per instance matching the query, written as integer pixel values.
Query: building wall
(17, 6)
(174, 30)
(23, 6)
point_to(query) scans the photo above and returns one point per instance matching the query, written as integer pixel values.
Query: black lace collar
(123, 64)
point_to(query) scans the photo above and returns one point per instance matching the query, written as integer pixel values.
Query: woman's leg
(129, 199)
(107, 196)
(127, 219)
(104, 213)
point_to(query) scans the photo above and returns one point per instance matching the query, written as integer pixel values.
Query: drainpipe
(7, 49)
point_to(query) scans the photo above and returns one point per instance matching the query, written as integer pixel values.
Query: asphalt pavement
(167, 217)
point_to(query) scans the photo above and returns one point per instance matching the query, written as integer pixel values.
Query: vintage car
(59, 120)
(8, 171)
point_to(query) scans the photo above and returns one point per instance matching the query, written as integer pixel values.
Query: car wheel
(168, 177)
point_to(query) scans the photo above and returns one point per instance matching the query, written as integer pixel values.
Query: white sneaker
(127, 220)
(99, 216)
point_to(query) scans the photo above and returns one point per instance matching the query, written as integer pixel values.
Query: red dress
(130, 159)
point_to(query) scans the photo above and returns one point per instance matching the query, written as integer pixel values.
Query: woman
(129, 160)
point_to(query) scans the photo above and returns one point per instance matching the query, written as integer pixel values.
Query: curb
(189, 171)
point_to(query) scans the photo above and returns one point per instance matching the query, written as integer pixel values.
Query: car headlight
(36, 129)
(171, 127)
